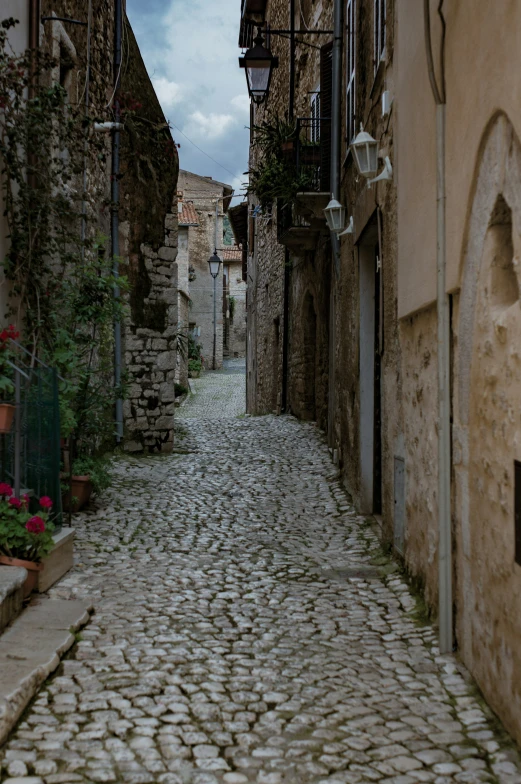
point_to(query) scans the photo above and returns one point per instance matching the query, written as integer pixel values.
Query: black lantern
(259, 64)
(214, 262)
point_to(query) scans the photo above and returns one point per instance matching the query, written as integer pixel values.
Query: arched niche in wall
(487, 425)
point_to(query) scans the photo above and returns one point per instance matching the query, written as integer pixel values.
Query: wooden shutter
(326, 96)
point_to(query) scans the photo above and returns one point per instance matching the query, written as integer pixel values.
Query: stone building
(352, 341)
(147, 180)
(234, 303)
(203, 203)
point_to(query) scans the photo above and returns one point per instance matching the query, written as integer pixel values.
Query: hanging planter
(32, 568)
(6, 417)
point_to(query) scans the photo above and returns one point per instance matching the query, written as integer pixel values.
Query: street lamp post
(214, 262)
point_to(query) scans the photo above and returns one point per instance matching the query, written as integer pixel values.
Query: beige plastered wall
(483, 160)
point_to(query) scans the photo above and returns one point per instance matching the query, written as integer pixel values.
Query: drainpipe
(336, 127)
(287, 258)
(444, 446)
(86, 142)
(118, 24)
(34, 24)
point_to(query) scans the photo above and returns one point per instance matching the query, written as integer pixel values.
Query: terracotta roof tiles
(187, 214)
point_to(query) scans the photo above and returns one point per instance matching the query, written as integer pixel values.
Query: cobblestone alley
(247, 629)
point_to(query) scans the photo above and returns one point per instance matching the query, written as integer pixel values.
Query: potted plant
(24, 538)
(7, 409)
(89, 475)
(194, 368)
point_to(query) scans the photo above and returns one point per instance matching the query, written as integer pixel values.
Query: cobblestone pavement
(217, 395)
(248, 629)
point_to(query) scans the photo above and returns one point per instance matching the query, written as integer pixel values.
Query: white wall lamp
(365, 153)
(335, 215)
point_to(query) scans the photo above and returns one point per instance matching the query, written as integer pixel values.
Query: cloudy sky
(190, 50)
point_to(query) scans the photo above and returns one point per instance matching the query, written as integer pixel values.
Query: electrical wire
(203, 152)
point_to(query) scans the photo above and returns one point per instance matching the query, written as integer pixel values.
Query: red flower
(15, 502)
(6, 490)
(35, 525)
(45, 502)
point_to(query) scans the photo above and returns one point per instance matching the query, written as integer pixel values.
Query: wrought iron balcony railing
(313, 152)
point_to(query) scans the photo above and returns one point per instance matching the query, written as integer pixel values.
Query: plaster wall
(477, 87)
(237, 327)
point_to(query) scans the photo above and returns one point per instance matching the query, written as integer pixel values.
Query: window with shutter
(326, 93)
(351, 68)
(315, 116)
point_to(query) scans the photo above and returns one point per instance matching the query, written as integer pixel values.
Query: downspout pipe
(444, 403)
(336, 129)
(116, 140)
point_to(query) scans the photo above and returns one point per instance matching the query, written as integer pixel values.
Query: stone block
(167, 393)
(159, 344)
(167, 254)
(133, 446)
(12, 579)
(164, 423)
(167, 360)
(59, 560)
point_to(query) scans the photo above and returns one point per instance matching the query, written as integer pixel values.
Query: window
(315, 116)
(351, 67)
(379, 31)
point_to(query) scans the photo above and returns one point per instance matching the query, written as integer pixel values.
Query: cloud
(242, 104)
(169, 93)
(191, 53)
(211, 126)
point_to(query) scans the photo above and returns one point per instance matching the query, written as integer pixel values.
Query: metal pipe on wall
(444, 403)
(118, 29)
(336, 130)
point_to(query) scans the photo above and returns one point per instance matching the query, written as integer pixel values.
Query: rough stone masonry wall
(201, 244)
(149, 230)
(237, 289)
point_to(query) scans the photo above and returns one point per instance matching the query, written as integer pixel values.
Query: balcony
(300, 223)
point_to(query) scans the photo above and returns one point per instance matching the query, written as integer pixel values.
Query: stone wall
(237, 324)
(149, 219)
(205, 193)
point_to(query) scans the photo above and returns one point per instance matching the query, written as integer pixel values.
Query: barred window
(351, 68)
(379, 31)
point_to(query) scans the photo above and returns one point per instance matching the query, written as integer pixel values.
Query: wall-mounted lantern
(365, 152)
(335, 215)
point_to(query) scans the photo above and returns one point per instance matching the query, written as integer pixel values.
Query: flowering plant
(22, 534)
(6, 354)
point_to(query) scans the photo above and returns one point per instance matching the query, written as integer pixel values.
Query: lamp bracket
(386, 174)
(350, 228)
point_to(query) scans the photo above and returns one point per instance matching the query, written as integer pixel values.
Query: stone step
(12, 579)
(31, 649)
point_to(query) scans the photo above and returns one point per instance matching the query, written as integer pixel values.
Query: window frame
(315, 114)
(350, 70)
(380, 31)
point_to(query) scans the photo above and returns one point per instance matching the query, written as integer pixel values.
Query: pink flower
(45, 502)
(35, 525)
(5, 489)
(15, 502)
(25, 500)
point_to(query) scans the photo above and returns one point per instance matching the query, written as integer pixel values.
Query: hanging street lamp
(259, 63)
(214, 263)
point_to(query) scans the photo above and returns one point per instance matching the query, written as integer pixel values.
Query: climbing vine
(61, 281)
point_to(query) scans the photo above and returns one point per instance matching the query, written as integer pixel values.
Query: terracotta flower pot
(81, 491)
(32, 572)
(288, 149)
(6, 417)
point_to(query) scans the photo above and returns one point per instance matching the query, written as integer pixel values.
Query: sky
(191, 54)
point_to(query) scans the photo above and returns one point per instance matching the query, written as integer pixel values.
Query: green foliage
(180, 389)
(231, 306)
(194, 349)
(62, 286)
(276, 176)
(95, 467)
(195, 365)
(228, 238)
(22, 534)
